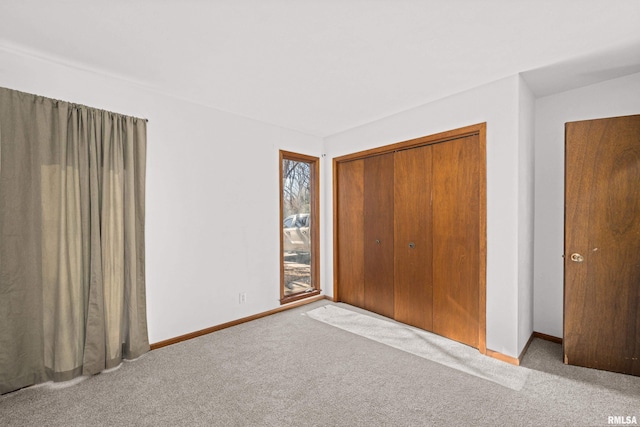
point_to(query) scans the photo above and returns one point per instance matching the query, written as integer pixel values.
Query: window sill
(296, 297)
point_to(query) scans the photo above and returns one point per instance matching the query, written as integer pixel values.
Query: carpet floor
(316, 365)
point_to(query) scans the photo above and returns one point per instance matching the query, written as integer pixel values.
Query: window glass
(299, 205)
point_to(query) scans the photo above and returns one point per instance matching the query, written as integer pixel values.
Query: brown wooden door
(602, 244)
(350, 229)
(456, 239)
(413, 291)
(378, 234)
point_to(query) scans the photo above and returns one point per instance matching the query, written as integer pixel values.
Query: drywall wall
(497, 104)
(617, 97)
(526, 105)
(212, 226)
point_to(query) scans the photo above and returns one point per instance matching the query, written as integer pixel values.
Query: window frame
(314, 229)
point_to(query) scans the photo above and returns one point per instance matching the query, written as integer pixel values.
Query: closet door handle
(412, 245)
(377, 241)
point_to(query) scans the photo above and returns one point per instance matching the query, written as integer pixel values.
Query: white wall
(526, 104)
(617, 97)
(499, 104)
(212, 195)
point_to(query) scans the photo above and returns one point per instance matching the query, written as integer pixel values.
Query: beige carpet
(423, 344)
(289, 369)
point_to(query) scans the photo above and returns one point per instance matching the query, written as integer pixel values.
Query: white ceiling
(324, 66)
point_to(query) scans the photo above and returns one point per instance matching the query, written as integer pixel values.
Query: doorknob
(412, 245)
(577, 257)
(377, 241)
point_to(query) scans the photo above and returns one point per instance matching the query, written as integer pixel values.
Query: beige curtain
(72, 278)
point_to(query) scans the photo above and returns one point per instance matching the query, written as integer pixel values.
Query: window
(299, 245)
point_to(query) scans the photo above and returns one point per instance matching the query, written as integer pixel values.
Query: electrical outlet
(242, 297)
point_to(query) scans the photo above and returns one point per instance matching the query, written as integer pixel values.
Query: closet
(410, 232)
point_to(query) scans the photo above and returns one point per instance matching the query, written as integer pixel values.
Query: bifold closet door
(378, 234)
(413, 291)
(456, 237)
(350, 225)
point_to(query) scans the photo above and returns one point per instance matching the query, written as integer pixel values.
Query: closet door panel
(456, 230)
(378, 234)
(413, 291)
(350, 225)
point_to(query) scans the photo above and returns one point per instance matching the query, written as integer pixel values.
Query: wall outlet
(242, 297)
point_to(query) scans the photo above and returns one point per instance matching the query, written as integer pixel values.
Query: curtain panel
(72, 252)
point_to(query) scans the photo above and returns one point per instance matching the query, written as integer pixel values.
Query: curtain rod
(74, 104)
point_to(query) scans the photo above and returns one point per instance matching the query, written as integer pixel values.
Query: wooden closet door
(378, 234)
(350, 232)
(413, 291)
(456, 237)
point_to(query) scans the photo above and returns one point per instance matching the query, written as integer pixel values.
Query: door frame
(479, 129)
